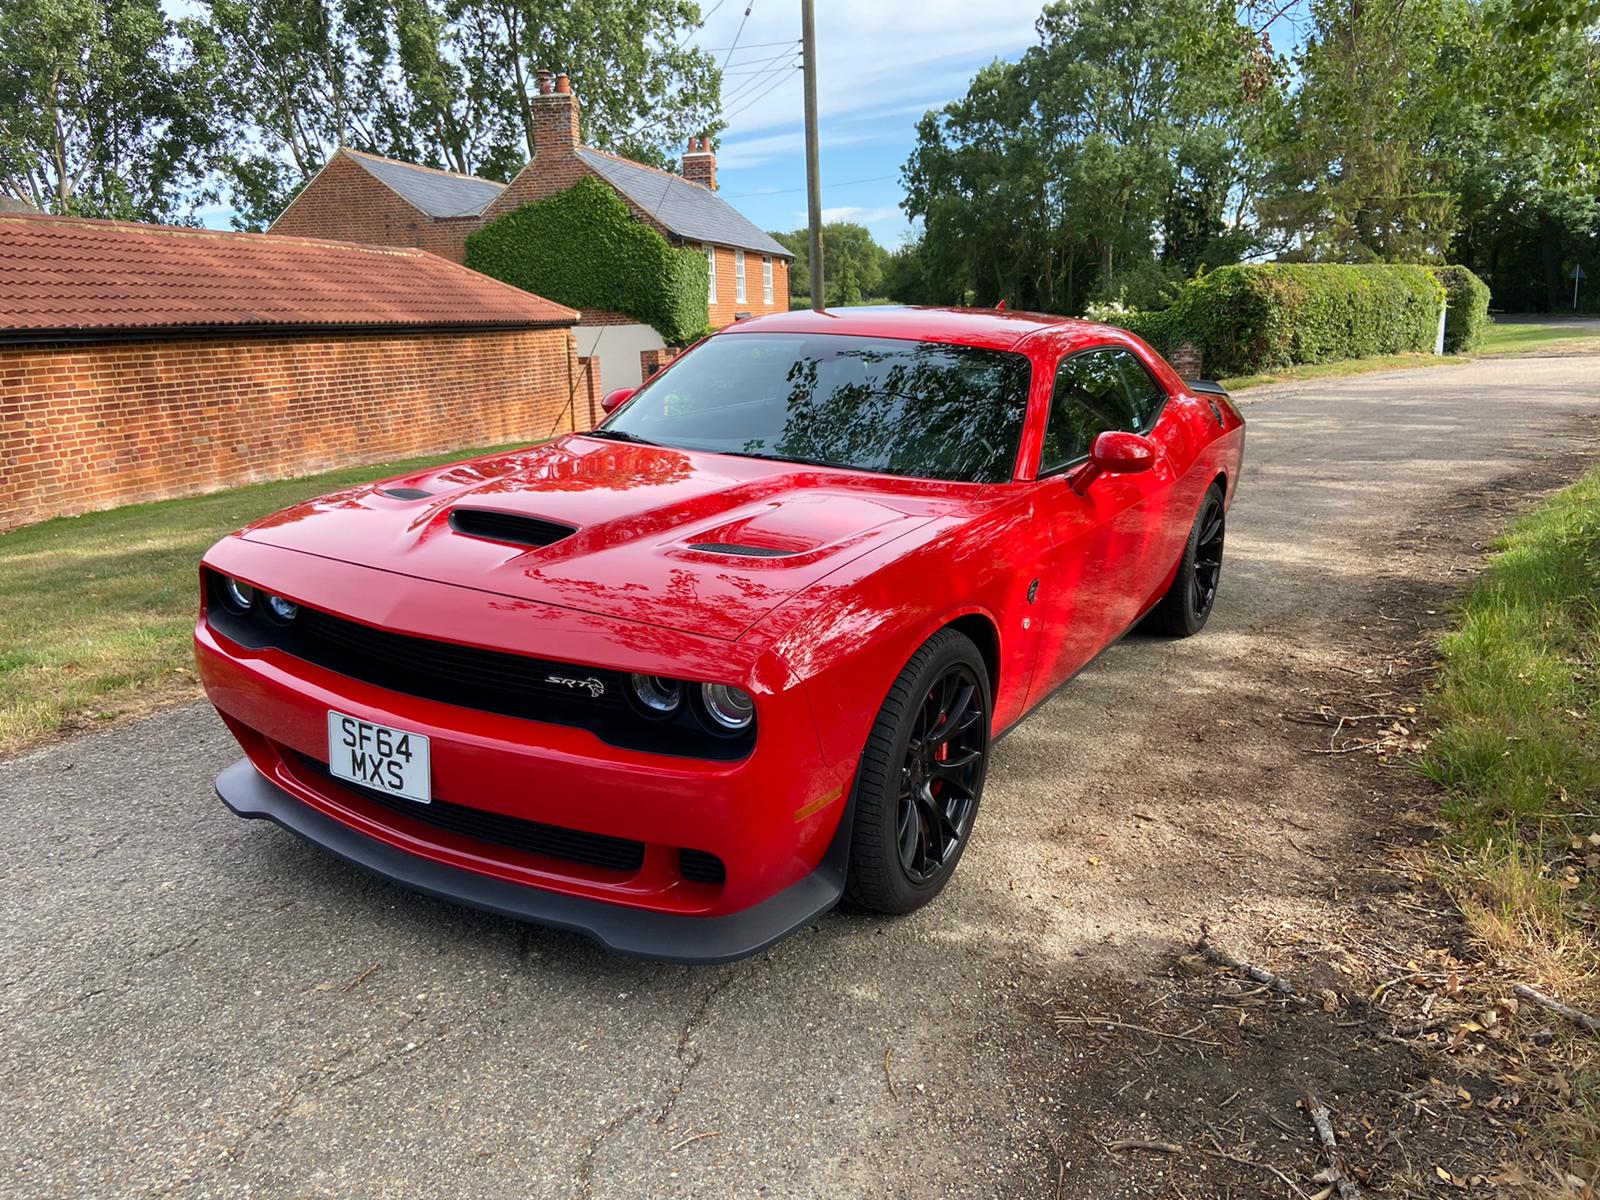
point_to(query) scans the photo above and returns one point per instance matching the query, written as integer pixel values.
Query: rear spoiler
(1206, 387)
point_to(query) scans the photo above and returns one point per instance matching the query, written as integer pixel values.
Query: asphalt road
(197, 1005)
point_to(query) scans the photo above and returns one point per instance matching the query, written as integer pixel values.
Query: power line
(739, 34)
(771, 87)
(745, 89)
(751, 45)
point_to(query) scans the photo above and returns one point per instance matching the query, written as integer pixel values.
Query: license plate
(375, 756)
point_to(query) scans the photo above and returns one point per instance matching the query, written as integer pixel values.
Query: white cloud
(861, 216)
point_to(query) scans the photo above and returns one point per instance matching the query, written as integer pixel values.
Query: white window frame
(711, 274)
(766, 281)
(740, 295)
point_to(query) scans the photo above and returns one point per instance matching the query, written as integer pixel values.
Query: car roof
(994, 329)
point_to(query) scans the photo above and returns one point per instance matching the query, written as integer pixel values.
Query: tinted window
(1096, 391)
(878, 404)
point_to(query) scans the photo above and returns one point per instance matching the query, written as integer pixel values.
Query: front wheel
(1183, 611)
(920, 777)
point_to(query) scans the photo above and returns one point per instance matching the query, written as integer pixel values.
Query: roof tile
(67, 275)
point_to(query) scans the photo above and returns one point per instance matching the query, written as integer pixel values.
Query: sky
(881, 64)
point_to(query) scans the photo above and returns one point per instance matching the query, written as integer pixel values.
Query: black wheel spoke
(1207, 559)
(942, 770)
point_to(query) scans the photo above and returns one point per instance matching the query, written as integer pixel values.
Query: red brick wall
(93, 426)
(346, 203)
(727, 307)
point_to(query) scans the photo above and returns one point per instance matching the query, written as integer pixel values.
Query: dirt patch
(1196, 1081)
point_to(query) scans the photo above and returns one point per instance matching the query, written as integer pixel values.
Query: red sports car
(682, 682)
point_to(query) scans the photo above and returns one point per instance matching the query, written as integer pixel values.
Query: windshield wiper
(620, 435)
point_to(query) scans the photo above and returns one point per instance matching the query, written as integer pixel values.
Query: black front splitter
(638, 933)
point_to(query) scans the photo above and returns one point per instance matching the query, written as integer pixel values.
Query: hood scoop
(404, 493)
(507, 527)
(741, 551)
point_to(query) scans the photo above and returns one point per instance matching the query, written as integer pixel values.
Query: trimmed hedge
(584, 248)
(1252, 318)
(1466, 308)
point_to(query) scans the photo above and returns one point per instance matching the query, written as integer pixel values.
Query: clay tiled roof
(62, 275)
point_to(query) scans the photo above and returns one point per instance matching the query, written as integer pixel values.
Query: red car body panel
(1043, 579)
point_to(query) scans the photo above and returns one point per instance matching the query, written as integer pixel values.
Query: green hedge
(1264, 317)
(584, 248)
(1467, 308)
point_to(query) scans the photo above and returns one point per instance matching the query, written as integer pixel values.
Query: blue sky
(880, 66)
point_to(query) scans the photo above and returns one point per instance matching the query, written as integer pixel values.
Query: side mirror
(613, 400)
(1115, 452)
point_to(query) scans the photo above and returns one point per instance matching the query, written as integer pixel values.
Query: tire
(901, 778)
(1183, 611)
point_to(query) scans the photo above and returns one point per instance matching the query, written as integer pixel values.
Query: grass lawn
(1518, 751)
(1524, 339)
(95, 611)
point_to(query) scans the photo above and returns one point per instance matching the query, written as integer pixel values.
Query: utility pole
(808, 35)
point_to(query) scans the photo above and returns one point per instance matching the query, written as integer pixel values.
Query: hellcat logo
(590, 684)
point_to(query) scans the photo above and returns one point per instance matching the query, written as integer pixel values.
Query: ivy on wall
(584, 248)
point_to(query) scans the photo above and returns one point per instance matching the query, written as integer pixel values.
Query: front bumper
(669, 937)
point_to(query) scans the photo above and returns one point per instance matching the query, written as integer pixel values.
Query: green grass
(1526, 339)
(95, 611)
(1343, 367)
(1517, 749)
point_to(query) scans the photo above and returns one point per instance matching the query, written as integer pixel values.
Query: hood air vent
(405, 493)
(507, 527)
(744, 551)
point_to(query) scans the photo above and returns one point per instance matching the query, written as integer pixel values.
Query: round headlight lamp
(731, 709)
(282, 610)
(658, 696)
(237, 595)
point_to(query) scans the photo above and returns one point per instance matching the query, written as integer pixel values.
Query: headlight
(282, 610)
(729, 707)
(237, 595)
(657, 696)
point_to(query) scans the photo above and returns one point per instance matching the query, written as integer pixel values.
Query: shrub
(584, 248)
(1264, 317)
(1466, 308)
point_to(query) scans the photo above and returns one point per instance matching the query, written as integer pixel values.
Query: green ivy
(1467, 308)
(1261, 317)
(584, 248)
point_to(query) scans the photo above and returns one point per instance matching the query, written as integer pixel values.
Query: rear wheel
(1183, 611)
(920, 777)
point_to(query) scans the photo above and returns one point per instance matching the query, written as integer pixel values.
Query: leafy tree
(1130, 133)
(847, 248)
(106, 108)
(449, 83)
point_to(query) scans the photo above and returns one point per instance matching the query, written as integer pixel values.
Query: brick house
(139, 362)
(363, 198)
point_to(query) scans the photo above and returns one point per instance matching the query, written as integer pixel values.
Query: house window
(738, 277)
(766, 281)
(711, 274)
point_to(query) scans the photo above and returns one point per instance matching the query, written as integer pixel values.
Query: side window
(1145, 395)
(1089, 398)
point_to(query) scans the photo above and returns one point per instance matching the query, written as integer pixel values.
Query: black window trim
(1041, 472)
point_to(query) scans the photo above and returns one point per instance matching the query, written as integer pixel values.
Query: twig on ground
(888, 1078)
(710, 1133)
(1260, 974)
(1322, 1122)
(1250, 1162)
(361, 978)
(1137, 1144)
(1109, 1024)
(1581, 1019)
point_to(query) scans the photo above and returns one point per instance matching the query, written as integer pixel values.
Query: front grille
(508, 527)
(534, 837)
(496, 681)
(701, 866)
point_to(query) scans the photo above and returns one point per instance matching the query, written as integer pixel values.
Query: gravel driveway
(200, 1005)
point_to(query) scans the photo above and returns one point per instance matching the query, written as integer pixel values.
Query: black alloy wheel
(943, 761)
(1183, 611)
(921, 777)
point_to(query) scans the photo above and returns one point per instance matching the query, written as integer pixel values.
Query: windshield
(876, 404)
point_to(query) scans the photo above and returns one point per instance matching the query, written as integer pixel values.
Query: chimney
(555, 118)
(700, 163)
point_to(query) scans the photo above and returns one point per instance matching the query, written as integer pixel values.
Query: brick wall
(346, 203)
(727, 307)
(96, 425)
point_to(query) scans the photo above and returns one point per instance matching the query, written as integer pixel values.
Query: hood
(703, 543)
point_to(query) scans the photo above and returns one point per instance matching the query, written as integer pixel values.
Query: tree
(1127, 139)
(847, 248)
(106, 108)
(450, 83)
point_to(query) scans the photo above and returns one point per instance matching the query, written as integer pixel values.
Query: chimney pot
(563, 84)
(700, 163)
(544, 83)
